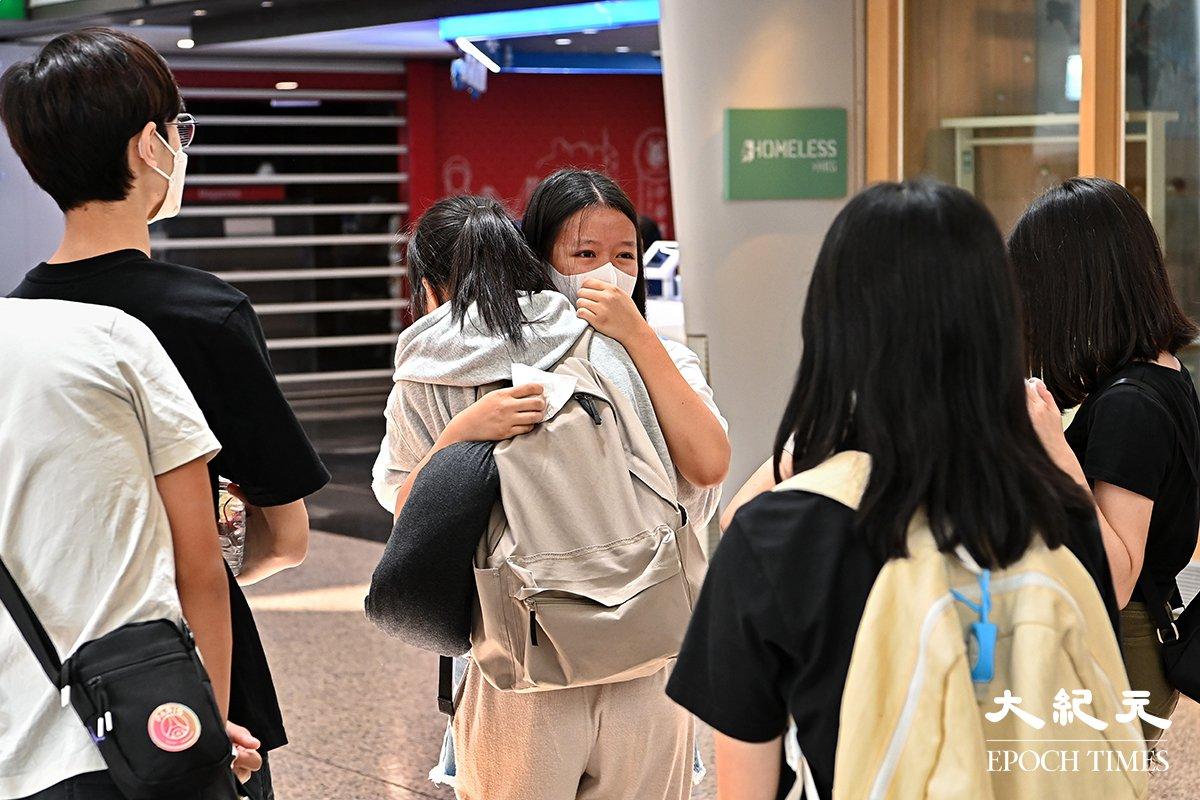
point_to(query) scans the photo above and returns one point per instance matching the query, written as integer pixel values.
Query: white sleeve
(688, 364)
(405, 442)
(701, 503)
(174, 426)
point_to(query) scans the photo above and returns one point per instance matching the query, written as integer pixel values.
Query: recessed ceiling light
(287, 86)
(199, 12)
(623, 49)
(267, 3)
(562, 42)
(185, 44)
(656, 53)
(138, 21)
(590, 31)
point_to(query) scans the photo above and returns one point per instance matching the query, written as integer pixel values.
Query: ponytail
(471, 252)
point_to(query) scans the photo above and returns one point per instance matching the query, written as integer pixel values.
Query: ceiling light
(185, 44)
(138, 21)
(267, 3)
(199, 12)
(562, 42)
(590, 31)
(623, 49)
(467, 46)
(561, 20)
(656, 53)
(287, 86)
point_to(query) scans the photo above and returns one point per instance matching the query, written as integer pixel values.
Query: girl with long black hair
(911, 354)
(483, 302)
(585, 228)
(1102, 327)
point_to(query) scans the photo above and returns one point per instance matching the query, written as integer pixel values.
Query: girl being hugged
(483, 302)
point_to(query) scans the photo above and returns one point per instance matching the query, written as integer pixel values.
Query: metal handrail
(251, 276)
(234, 242)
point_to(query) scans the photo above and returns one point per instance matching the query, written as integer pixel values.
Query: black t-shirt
(774, 626)
(1124, 437)
(210, 331)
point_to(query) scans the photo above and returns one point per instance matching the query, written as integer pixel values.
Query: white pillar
(746, 264)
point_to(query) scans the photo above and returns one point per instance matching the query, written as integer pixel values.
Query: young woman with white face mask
(585, 227)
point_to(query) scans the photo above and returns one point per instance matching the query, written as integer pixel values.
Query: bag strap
(577, 350)
(1154, 397)
(445, 696)
(1159, 610)
(1156, 605)
(30, 626)
(582, 345)
(842, 477)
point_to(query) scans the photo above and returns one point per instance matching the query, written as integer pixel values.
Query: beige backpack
(920, 715)
(589, 570)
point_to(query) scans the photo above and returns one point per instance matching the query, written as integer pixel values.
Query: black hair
(1094, 287)
(71, 111)
(649, 231)
(470, 251)
(912, 353)
(560, 195)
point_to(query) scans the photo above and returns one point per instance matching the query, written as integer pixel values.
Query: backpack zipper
(589, 406)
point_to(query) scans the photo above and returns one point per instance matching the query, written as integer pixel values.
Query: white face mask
(174, 199)
(571, 284)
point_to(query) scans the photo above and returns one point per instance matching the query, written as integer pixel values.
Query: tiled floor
(359, 705)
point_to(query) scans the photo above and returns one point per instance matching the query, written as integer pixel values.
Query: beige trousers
(612, 742)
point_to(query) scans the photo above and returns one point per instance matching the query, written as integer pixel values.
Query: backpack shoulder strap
(842, 477)
(1154, 397)
(582, 345)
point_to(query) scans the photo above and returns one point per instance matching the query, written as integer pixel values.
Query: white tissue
(557, 389)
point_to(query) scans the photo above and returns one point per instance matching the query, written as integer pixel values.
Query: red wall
(526, 126)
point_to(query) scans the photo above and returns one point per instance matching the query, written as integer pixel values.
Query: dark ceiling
(241, 20)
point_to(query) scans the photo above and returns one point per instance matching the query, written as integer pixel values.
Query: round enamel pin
(173, 727)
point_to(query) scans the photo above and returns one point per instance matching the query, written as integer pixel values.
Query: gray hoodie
(439, 364)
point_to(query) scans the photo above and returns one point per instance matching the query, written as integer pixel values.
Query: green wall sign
(785, 153)
(12, 9)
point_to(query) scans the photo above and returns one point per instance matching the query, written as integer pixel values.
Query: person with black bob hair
(482, 302)
(912, 355)
(586, 230)
(1102, 329)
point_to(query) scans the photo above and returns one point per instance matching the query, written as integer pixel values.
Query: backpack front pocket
(599, 614)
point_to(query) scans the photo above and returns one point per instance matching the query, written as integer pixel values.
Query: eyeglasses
(186, 125)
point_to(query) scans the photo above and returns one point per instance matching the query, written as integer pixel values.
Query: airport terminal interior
(325, 130)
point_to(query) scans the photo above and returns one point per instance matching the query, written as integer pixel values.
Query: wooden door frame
(1101, 105)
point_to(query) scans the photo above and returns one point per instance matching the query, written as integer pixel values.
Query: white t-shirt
(702, 503)
(688, 364)
(91, 410)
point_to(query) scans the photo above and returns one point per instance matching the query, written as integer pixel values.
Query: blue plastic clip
(983, 632)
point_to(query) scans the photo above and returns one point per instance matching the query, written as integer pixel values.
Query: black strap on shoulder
(1153, 396)
(1157, 605)
(29, 626)
(446, 685)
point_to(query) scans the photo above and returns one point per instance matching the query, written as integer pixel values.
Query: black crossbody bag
(143, 696)
(1179, 638)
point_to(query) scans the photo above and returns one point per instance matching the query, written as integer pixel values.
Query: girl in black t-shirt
(1102, 328)
(911, 353)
